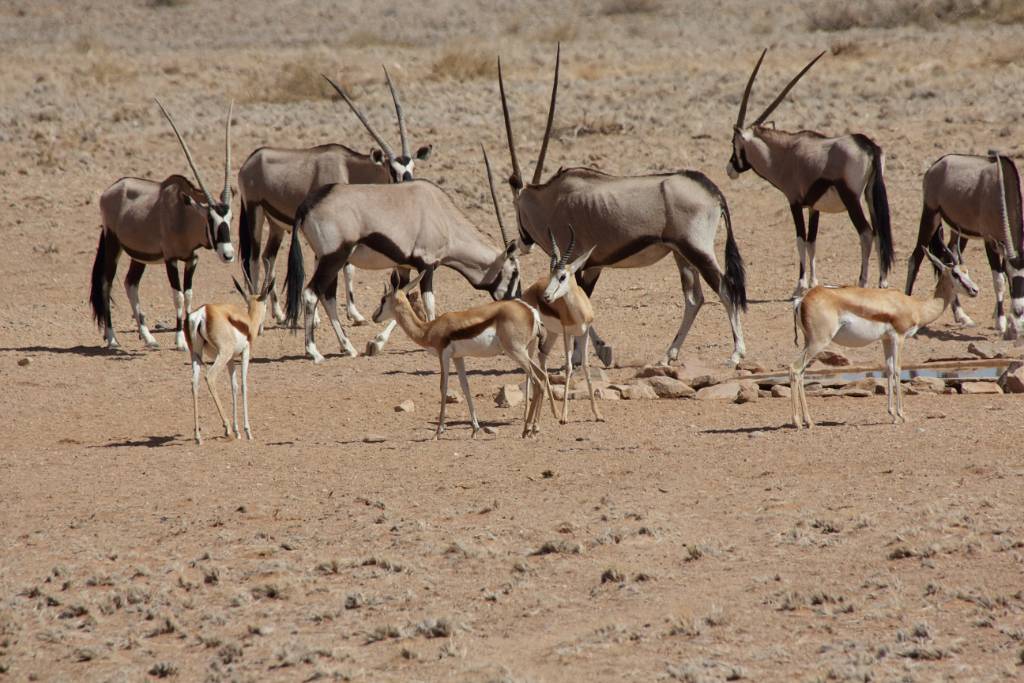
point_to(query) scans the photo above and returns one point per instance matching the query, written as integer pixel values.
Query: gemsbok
(413, 224)
(156, 222)
(226, 332)
(978, 198)
(854, 317)
(512, 328)
(273, 182)
(632, 222)
(819, 173)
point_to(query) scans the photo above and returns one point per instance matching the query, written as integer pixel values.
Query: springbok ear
(377, 156)
(267, 288)
(935, 261)
(415, 281)
(423, 153)
(239, 287)
(395, 280)
(581, 261)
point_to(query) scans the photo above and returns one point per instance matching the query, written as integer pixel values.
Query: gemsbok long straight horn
(980, 198)
(274, 181)
(160, 222)
(631, 222)
(817, 173)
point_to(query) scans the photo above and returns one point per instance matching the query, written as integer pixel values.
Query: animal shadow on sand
(148, 442)
(954, 334)
(771, 428)
(78, 350)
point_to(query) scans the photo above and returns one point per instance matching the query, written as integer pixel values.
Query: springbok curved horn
(556, 255)
(785, 91)
(1011, 249)
(188, 154)
(517, 174)
(398, 113)
(362, 119)
(539, 169)
(572, 245)
(746, 91)
(494, 197)
(225, 194)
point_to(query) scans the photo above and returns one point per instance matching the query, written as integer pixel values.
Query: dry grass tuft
(839, 15)
(463, 63)
(614, 7)
(297, 81)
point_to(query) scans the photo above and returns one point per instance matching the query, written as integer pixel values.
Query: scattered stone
(373, 438)
(764, 393)
(983, 349)
(753, 367)
(669, 387)
(832, 358)
(869, 384)
(25, 362)
(814, 389)
(856, 393)
(453, 397)
(781, 391)
(727, 391)
(980, 388)
(702, 381)
(748, 393)
(406, 406)
(636, 392)
(509, 396)
(607, 393)
(655, 371)
(928, 384)
(1012, 381)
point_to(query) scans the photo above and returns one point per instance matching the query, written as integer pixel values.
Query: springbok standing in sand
(226, 332)
(156, 222)
(632, 222)
(408, 225)
(819, 173)
(853, 317)
(978, 198)
(512, 328)
(273, 182)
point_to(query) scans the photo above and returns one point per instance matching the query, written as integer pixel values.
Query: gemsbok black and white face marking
(218, 221)
(738, 161)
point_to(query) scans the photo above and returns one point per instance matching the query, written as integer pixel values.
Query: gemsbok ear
(377, 156)
(423, 153)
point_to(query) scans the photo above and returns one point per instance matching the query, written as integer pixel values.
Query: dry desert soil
(679, 540)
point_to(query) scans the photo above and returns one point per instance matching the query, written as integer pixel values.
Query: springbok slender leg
(197, 366)
(899, 383)
(446, 356)
(211, 378)
(801, 413)
(131, 288)
(543, 355)
(534, 373)
(351, 311)
(590, 385)
(245, 394)
(889, 347)
(179, 304)
(567, 340)
(693, 299)
(233, 374)
(460, 367)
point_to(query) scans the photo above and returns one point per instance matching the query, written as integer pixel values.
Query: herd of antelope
(369, 211)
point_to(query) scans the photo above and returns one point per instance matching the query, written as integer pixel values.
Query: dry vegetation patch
(839, 15)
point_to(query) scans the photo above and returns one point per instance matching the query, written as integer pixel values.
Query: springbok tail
(879, 208)
(99, 293)
(735, 273)
(296, 271)
(797, 303)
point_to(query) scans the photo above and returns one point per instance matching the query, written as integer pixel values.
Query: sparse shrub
(840, 15)
(462, 63)
(297, 81)
(613, 7)
(163, 670)
(612, 575)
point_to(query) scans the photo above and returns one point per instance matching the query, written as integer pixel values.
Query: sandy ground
(680, 540)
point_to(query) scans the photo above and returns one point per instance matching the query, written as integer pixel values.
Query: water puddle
(950, 371)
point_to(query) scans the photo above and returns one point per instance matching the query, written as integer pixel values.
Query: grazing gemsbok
(632, 222)
(819, 173)
(226, 332)
(413, 224)
(978, 198)
(565, 310)
(156, 222)
(512, 328)
(853, 317)
(274, 181)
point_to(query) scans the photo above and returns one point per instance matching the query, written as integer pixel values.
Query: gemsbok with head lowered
(159, 222)
(978, 198)
(632, 222)
(273, 182)
(413, 224)
(819, 173)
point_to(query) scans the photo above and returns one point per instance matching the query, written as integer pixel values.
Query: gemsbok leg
(131, 288)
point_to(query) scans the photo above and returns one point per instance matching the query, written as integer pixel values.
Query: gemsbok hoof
(374, 347)
(358, 322)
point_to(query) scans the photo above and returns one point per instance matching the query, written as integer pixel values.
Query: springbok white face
(562, 275)
(962, 281)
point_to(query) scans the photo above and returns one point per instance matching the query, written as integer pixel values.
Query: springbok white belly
(483, 345)
(830, 202)
(857, 331)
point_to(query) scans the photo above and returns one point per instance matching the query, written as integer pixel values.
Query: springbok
(978, 198)
(512, 328)
(226, 332)
(819, 173)
(853, 317)
(565, 310)
(413, 224)
(632, 222)
(157, 222)
(274, 181)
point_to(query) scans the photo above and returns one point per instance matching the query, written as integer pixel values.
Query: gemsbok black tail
(296, 270)
(878, 205)
(735, 273)
(99, 293)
